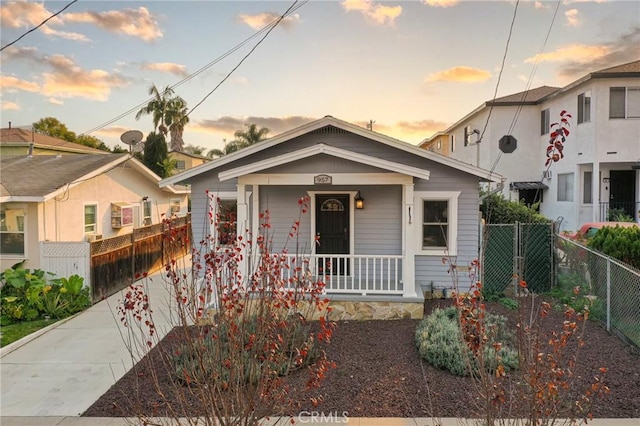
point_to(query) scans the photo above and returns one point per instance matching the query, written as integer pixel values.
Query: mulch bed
(379, 374)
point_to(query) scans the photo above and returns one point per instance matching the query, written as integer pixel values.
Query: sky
(411, 68)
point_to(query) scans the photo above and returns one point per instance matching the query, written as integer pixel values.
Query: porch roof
(518, 186)
(340, 124)
(324, 149)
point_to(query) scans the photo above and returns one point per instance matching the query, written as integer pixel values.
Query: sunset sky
(413, 67)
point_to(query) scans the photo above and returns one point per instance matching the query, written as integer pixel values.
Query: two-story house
(599, 176)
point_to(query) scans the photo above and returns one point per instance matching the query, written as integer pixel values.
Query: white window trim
(583, 181)
(213, 208)
(452, 221)
(25, 232)
(573, 184)
(142, 216)
(98, 222)
(171, 201)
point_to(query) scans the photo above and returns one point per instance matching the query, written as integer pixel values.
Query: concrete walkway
(67, 367)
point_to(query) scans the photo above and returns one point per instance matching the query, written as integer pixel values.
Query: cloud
(55, 101)
(229, 125)
(12, 84)
(460, 74)
(261, 20)
(113, 131)
(576, 60)
(405, 129)
(134, 22)
(168, 67)
(68, 80)
(23, 14)
(572, 17)
(377, 13)
(584, 1)
(440, 3)
(9, 106)
(540, 5)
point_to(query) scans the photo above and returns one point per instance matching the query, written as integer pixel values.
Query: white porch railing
(350, 273)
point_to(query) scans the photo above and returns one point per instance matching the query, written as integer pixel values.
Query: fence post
(516, 257)
(133, 256)
(608, 295)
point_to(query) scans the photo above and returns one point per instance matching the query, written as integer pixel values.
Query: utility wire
(287, 12)
(267, 28)
(504, 58)
(35, 28)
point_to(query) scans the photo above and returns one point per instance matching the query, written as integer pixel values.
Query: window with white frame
(147, 206)
(624, 102)
(467, 135)
(181, 165)
(439, 145)
(90, 218)
(584, 107)
(224, 213)
(175, 206)
(545, 121)
(565, 187)
(12, 227)
(453, 142)
(587, 187)
(437, 214)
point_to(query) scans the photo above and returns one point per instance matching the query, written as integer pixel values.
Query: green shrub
(622, 243)
(496, 209)
(574, 291)
(439, 342)
(509, 303)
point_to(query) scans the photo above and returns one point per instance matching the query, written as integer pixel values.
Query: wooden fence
(117, 262)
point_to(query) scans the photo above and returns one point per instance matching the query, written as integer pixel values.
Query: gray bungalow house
(384, 212)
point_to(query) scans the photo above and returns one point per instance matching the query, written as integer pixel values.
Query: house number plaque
(322, 180)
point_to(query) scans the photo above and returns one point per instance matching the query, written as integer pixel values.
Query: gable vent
(329, 130)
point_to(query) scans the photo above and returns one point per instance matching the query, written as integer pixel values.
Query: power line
(287, 12)
(267, 28)
(39, 25)
(504, 58)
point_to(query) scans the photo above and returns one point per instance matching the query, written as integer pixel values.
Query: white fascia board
(323, 149)
(21, 199)
(337, 179)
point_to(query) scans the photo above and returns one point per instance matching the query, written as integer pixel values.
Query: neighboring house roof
(41, 177)
(339, 124)
(188, 154)
(22, 137)
(542, 93)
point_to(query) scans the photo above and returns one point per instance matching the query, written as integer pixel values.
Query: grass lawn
(13, 332)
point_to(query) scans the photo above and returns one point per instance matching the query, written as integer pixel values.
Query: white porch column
(255, 216)
(241, 226)
(409, 227)
(595, 189)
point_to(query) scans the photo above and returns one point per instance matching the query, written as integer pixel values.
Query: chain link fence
(516, 251)
(612, 286)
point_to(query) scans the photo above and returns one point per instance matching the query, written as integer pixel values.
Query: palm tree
(251, 135)
(228, 148)
(157, 107)
(176, 117)
(194, 149)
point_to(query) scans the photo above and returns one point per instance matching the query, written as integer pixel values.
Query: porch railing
(609, 211)
(352, 274)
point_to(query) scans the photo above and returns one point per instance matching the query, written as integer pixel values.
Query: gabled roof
(188, 154)
(22, 137)
(41, 177)
(529, 97)
(631, 68)
(339, 124)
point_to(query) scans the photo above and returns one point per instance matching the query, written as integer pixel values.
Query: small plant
(619, 215)
(439, 342)
(509, 303)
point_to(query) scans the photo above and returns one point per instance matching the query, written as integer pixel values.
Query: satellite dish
(131, 137)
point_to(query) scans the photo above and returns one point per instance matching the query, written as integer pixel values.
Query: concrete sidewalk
(65, 369)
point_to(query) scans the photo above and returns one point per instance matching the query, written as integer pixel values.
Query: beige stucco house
(185, 161)
(17, 141)
(75, 198)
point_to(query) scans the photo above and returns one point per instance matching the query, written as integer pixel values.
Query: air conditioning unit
(546, 174)
(93, 237)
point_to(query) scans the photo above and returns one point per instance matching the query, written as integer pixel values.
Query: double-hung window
(437, 214)
(584, 107)
(545, 121)
(224, 213)
(624, 102)
(90, 218)
(12, 227)
(565, 187)
(587, 187)
(147, 206)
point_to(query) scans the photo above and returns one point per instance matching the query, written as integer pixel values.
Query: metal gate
(512, 252)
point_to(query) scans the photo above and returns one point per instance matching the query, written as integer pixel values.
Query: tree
(53, 127)
(155, 153)
(251, 135)
(176, 117)
(194, 149)
(157, 108)
(228, 148)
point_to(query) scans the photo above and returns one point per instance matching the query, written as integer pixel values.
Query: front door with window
(332, 229)
(623, 191)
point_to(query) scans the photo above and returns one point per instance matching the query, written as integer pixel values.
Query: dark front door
(623, 191)
(332, 228)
